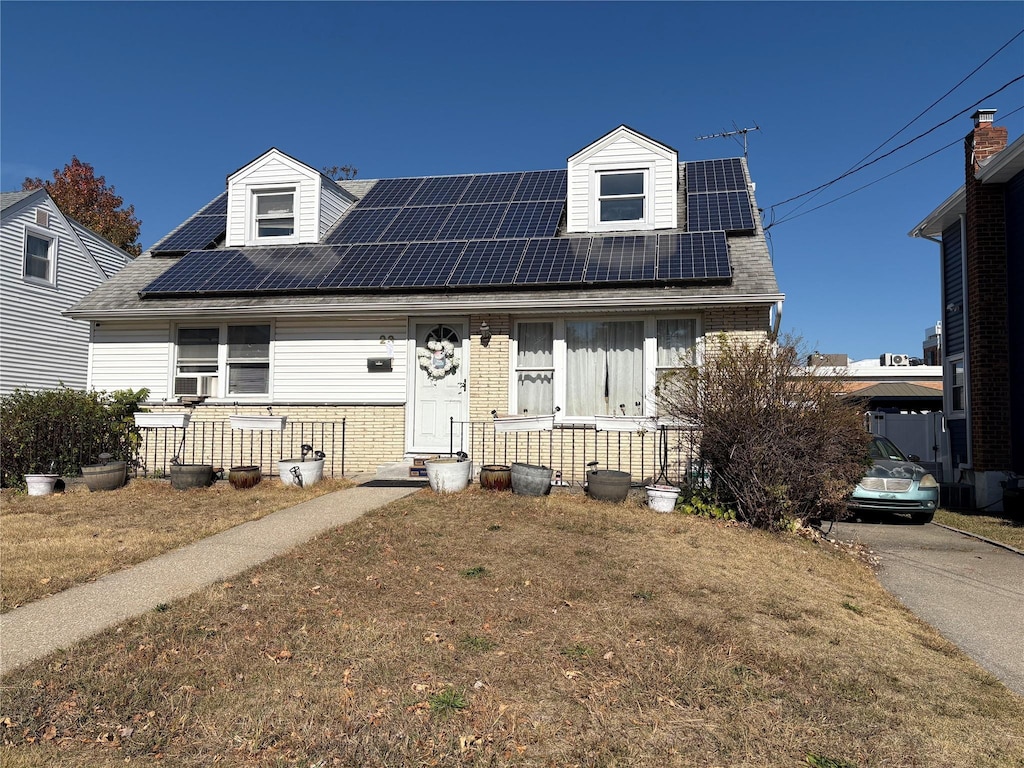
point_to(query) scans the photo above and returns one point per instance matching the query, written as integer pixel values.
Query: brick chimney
(987, 300)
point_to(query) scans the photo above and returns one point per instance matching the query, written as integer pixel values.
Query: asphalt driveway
(969, 590)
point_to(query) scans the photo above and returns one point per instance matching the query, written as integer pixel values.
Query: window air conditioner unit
(195, 385)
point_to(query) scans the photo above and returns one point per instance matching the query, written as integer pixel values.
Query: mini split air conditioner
(890, 359)
(195, 385)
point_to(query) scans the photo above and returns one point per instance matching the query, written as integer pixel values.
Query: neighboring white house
(404, 304)
(48, 262)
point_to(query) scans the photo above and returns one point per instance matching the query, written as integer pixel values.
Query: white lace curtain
(604, 367)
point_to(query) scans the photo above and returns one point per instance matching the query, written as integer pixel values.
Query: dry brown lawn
(495, 630)
(49, 543)
(1002, 529)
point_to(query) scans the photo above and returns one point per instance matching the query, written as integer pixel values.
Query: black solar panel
(218, 207)
(553, 261)
(443, 190)
(390, 193)
(424, 265)
(417, 224)
(622, 259)
(188, 273)
(492, 188)
(536, 219)
(693, 256)
(300, 268)
(729, 211)
(488, 262)
(361, 226)
(196, 234)
(715, 176)
(473, 222)
(542, 185)
(364, 266)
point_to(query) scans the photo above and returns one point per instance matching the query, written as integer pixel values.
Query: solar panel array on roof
(712, 211)
(715, 175)
(502, 205)
(201, 231)
(450, 264)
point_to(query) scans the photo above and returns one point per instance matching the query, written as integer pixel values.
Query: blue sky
(167, 99)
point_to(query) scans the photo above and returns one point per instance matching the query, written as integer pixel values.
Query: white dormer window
(274, 214)
(622, 196)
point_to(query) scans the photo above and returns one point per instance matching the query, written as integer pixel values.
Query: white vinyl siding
(333, 203)
(109, 257)
(132, 356)
(273, 171)
(324, 361)
(622, 150)
(39, 347)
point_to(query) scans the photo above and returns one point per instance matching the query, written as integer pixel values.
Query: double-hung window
(237, 355)
(622, 196)
(958, 386)
(274, 213)
(598, 367)
(40, 252)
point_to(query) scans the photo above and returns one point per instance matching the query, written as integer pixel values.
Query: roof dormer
(277, 200)
(624, 181)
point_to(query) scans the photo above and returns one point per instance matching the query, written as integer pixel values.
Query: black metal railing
(665, 454)
(216, 443)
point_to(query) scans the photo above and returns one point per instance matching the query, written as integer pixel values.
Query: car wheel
(921, 518)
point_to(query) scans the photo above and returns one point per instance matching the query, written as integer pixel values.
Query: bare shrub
(780, 445)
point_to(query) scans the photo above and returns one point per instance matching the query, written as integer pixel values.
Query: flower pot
(244, 477)
(662, 498)
(624, 424)
(41, 485)
(448, 475)
(105, 477)
(531, 479)
(300, 473)
(176, 420)
(608, 485)
(256, 423)
(185, 476)
(496, 477)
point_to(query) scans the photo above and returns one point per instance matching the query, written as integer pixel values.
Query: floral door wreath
(438, 359)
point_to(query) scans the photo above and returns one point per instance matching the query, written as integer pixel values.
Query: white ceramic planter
(523, 423)
(41, 485)
(624, 423)
(662, 498)
(256, 423)
(300, 473)
(176, 420)
(448, 475)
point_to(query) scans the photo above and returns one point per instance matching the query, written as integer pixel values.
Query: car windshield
(883, 448)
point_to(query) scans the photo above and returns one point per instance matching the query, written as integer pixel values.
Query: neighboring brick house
(980, 231)
(48, 262)
(404, 304)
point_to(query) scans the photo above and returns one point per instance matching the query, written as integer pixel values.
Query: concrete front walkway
(44, 626)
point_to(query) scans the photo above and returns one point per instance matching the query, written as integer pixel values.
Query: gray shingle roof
(7, 199)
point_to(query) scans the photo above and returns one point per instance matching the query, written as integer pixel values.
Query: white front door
(439, 384)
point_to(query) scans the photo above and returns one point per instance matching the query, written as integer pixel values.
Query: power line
(795, 215)
(904, 145)
(926, 110)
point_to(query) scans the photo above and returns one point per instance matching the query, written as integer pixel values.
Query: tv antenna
(736, 132)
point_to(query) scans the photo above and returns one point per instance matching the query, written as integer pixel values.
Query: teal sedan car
(895, 483)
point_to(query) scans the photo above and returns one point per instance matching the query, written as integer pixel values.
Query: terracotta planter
(244, 477)
(496, 477)
(608, 485)
(105, 477)
(185, 476)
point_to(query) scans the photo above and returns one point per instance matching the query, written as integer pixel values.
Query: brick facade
(987, 304)
(489, 366)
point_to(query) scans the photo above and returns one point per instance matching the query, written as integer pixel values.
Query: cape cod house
(408, 305)
(48, 262)
(980, 232)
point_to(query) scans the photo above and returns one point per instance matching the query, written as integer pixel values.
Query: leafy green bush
(780, 446)
(60, 430)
